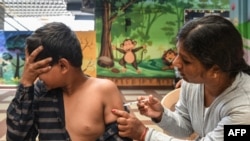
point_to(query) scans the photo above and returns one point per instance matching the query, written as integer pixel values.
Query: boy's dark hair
(58, 41)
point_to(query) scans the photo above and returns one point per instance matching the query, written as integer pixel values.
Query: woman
(215, 90)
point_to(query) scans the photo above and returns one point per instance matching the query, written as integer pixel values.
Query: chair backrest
(170, 99)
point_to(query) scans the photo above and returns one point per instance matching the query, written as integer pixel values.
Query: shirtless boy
(55, 100)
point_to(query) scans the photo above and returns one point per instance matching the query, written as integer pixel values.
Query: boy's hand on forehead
(32, 69)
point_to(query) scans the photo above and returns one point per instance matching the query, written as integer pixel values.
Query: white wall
(32, 23)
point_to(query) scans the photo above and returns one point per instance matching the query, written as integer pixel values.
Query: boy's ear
(64, 64)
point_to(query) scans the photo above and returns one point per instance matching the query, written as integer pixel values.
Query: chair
(169, 101)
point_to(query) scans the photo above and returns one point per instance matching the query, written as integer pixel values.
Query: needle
(134, 102)
(130, 103)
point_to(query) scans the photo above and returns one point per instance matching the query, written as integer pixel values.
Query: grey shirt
(231, 107)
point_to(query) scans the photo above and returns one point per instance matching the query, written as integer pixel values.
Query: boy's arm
(20, 116)
(112, 99)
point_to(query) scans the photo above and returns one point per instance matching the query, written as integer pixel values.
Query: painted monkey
(128, 48)
(167, 58)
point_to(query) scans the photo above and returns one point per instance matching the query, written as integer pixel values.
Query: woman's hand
(150, 107)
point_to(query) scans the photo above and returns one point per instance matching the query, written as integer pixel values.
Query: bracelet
(143, 135)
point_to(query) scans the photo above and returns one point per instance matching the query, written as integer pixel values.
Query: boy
(63, 104)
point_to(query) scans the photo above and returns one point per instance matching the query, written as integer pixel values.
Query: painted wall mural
(12, 56)
(133, 43)
(134, 35)
(240, 16)
(88, 44)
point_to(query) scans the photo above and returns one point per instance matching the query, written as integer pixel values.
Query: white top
(231, 107)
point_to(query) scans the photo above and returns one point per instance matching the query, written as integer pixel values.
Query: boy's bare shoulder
(102, 82)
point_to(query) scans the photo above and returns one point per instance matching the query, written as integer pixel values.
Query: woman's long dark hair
(214, 40)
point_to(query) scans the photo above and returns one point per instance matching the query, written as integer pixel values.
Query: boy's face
(53, 78)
